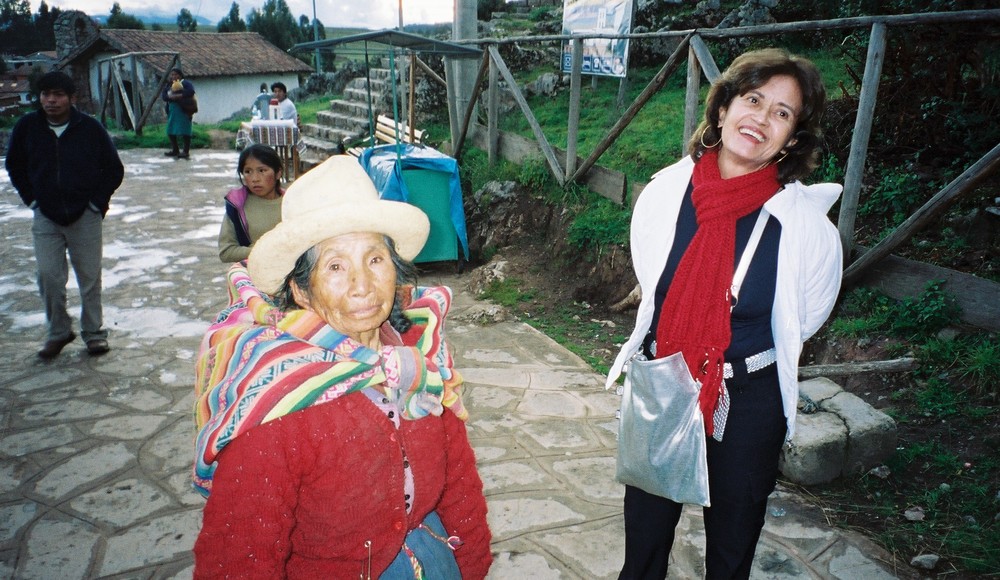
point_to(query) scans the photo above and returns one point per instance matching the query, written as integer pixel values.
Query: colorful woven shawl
(257, 363)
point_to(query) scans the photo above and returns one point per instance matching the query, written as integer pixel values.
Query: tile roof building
(225, 68)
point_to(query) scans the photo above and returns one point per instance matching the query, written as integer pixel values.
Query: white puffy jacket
(810, 264)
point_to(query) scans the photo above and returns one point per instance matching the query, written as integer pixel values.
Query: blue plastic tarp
(381, 164)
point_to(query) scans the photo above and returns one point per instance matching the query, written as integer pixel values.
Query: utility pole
(319, 63)
(462, 72)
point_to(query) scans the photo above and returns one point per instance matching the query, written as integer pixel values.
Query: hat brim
(274, 255)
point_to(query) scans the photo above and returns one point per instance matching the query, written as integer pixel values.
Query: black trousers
(742, 470)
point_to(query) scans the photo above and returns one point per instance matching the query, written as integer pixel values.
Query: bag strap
(741, 268)
(747, 255)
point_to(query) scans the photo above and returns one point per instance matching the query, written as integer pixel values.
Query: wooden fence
(567, 168)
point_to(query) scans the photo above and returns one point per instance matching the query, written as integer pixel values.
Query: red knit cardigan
(299, 496)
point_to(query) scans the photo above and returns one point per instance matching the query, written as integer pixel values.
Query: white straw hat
(334, 198)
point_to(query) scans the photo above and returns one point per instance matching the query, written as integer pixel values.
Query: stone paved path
(95, 452)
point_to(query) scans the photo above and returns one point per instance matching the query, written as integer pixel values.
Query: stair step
(347, 118)
(361, 84)
(352, 108)
(352, 120)
(334, 134)
(318, 146)
(361, 95)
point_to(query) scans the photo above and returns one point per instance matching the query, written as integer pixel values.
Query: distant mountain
(161, 17)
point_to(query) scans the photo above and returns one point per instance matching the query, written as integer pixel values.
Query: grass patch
(946, 463)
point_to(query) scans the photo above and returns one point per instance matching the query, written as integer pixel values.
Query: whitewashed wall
(218, 97)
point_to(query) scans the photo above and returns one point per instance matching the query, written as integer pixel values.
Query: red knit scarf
(694, 318)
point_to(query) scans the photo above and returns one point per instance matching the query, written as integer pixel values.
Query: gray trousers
(83, 241)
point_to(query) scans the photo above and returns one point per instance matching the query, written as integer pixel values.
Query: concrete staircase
(347, 119)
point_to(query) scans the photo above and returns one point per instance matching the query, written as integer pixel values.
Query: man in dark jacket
(65, 167)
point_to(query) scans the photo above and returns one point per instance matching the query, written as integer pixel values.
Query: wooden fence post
(859, 142)
(699, 60)
(492, 112)
(573, 126)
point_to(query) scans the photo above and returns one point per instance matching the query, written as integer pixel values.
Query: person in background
(255, 207)
(760, 135)
(286, 108)
(331, 427)
(179, 123)
(260, 104)
(66, 168)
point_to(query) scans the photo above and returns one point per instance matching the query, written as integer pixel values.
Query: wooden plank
(934, 207)
(476, 91)
(651, 89)
(859, 140)
(124, 100)
(902, 278)
(430, 72)
(493, 115)
(692, 94)
(705, 59)
(896, 365)
(929, 18)
(543, 143)
(573, 122)
(412, 117)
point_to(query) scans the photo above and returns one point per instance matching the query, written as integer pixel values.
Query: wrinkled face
(353, 285)
(279, 94)
(260, 179)
(758, 125)
(56, 104)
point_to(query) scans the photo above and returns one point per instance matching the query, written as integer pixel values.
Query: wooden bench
(386, 129)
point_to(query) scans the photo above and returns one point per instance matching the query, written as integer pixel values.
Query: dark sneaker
(183, 155)
(52, 348)
(172, 153)
(97, 346)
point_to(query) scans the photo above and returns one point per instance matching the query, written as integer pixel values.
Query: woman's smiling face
(757, 125)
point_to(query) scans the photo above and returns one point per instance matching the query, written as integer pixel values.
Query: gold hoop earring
(702, 139)
(782, 158)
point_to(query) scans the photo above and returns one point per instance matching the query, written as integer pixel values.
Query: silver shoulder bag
(661, 438)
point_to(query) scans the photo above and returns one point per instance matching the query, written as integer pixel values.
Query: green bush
(600, 225)
(896, 196)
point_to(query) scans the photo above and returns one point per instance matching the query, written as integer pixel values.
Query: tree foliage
(275, 23)
(21, 33)
(186, 21)
(232, 21)
(123, 20)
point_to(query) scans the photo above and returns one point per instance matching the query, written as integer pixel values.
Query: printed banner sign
(601, 56)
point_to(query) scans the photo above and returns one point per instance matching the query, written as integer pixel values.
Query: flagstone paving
(95, 452)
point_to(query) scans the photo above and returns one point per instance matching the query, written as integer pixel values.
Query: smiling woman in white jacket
(689, 226)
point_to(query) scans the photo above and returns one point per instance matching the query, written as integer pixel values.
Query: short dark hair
(178, 71)
(279, 86)
(752, 70)
(56, 81)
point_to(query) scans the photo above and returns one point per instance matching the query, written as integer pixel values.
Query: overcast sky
(372, 14)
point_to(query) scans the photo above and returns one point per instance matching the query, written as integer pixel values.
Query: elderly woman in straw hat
(331, 437)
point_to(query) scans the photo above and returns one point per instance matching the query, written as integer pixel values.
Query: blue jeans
(83, 241)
